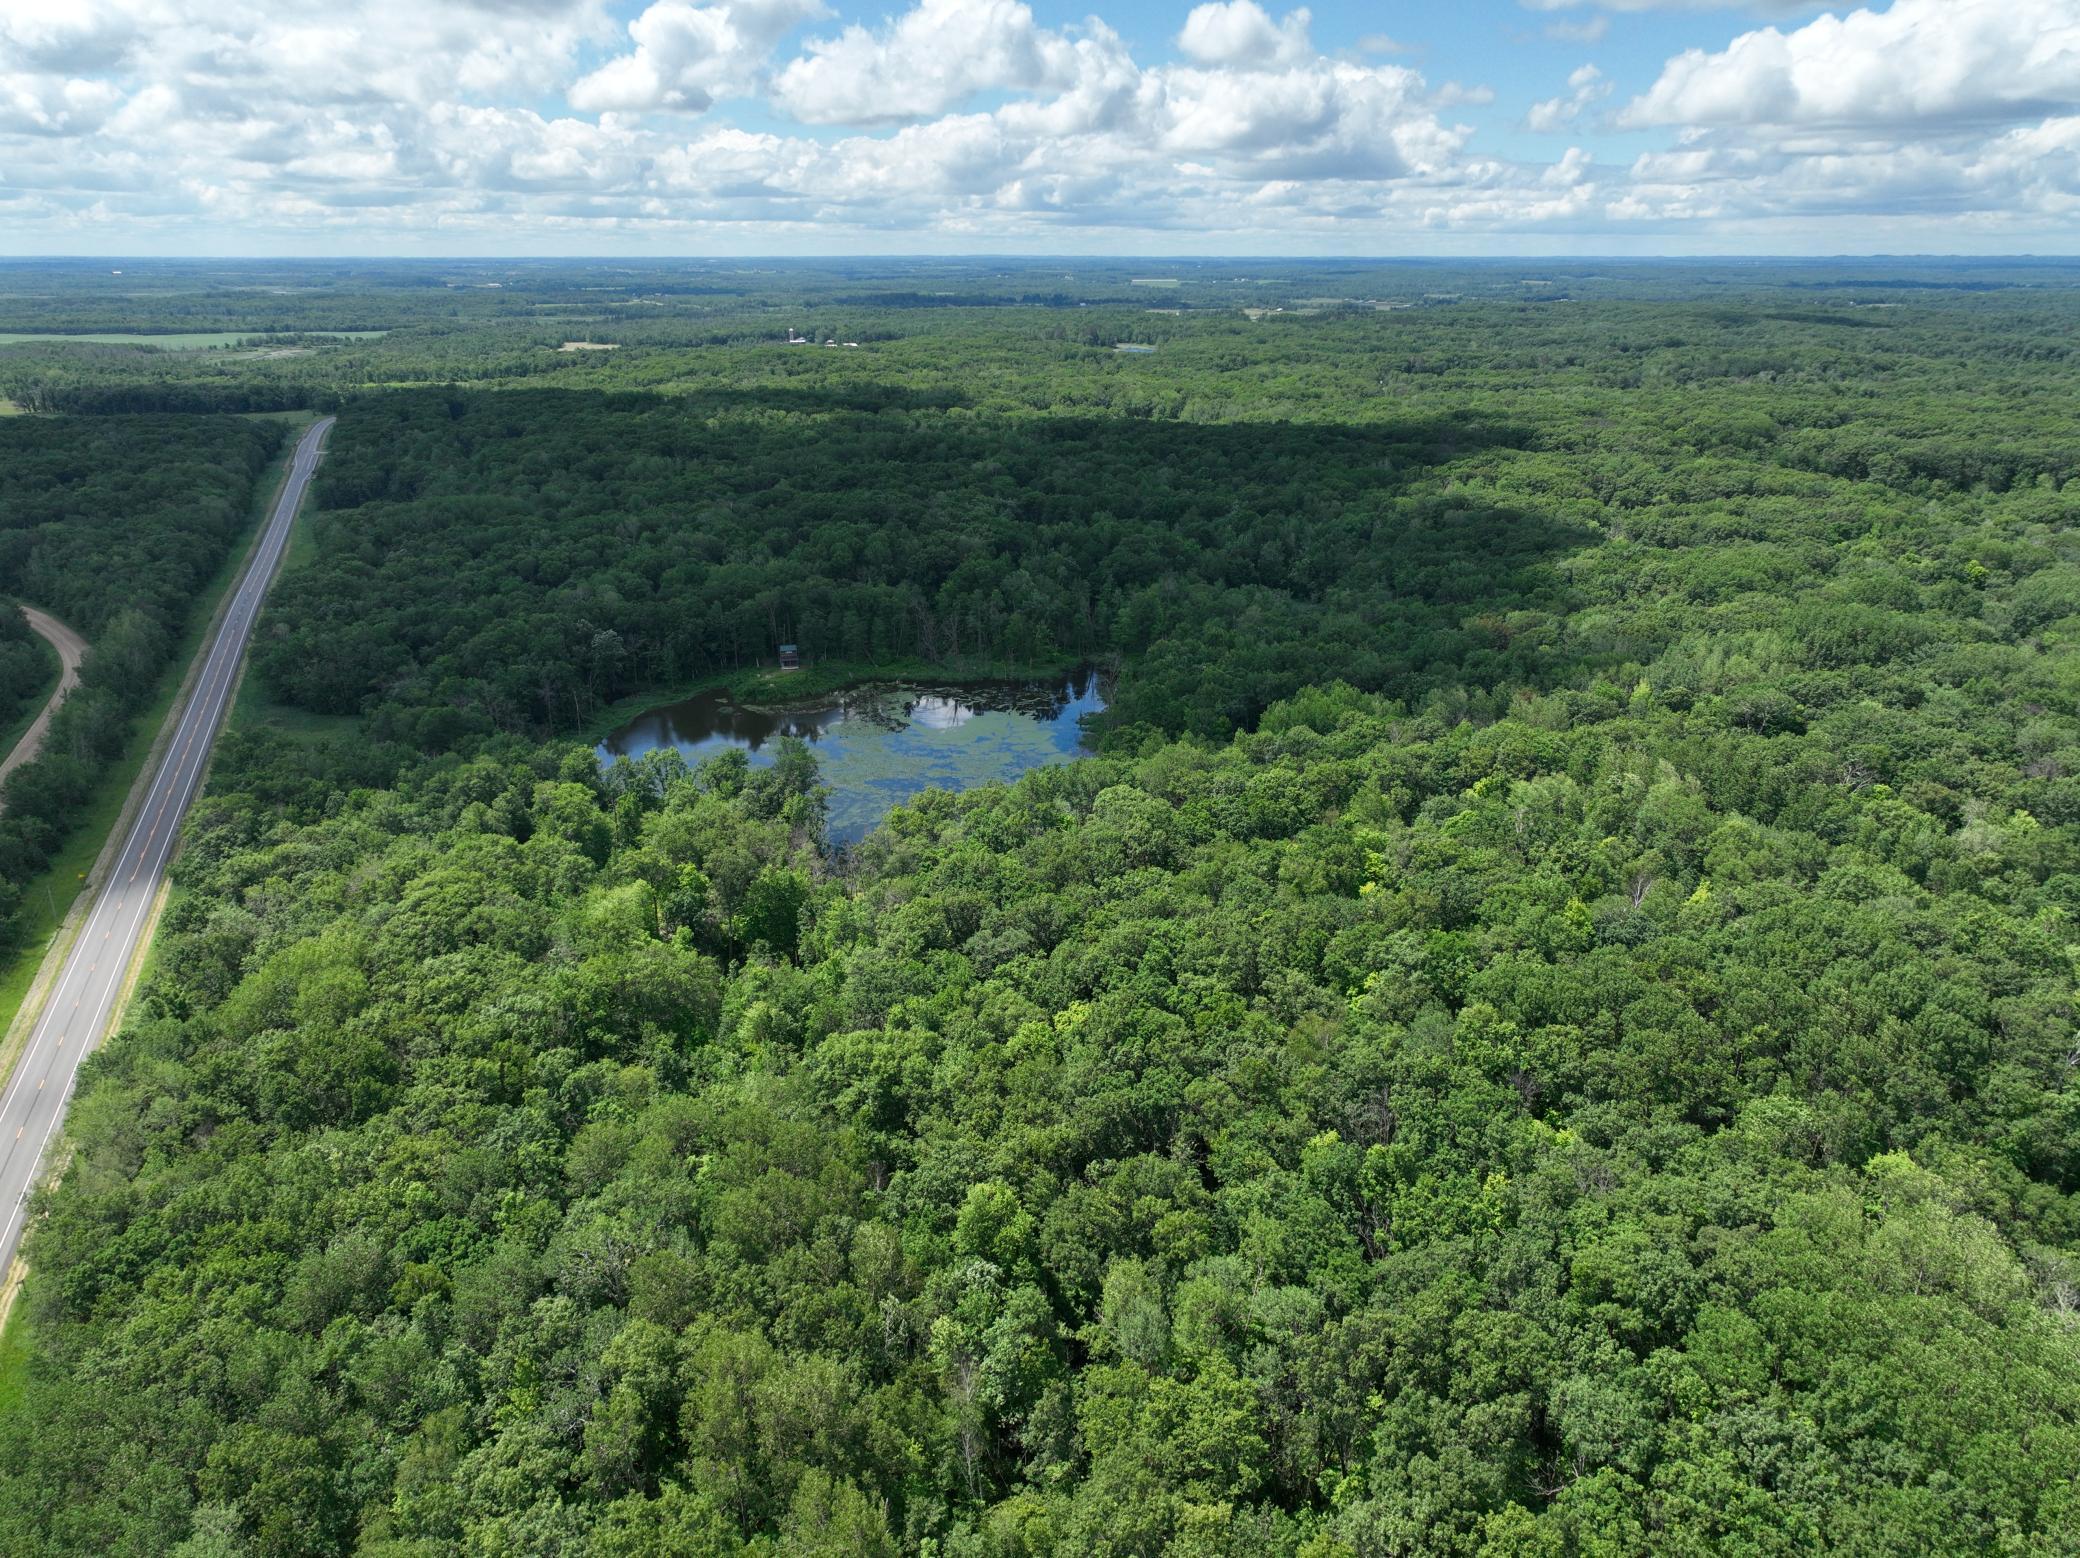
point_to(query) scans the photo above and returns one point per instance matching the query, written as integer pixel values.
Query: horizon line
(1042, 256)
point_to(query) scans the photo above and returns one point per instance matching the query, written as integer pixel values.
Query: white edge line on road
(182, 769)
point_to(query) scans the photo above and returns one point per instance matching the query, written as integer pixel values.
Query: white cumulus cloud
(52, 105)
(1241, 33)
(1585, 86)
(1930, 112)
(932, 58)
(688, 55)
(973, 123)
(1919, 62)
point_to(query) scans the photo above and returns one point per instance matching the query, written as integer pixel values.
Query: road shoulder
(197, 647)
(53, 961)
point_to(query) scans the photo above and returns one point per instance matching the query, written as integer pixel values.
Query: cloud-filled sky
(1024, 126)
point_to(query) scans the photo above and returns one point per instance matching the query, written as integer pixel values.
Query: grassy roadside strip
(142, 966)
(254, 705)
(52, 898)
(16, 1348)
(10, 734)
(27, 977)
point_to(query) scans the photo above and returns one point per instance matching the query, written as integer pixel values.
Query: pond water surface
(879, 746)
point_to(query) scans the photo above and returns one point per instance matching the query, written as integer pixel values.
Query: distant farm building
(790, 658)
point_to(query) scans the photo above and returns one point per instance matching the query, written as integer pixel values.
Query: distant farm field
(197, 341)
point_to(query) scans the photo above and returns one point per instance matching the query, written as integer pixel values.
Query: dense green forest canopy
(99, 516)
(511, 560)
(28, 672)
(1550, 1027)
(114, 524)
(1238, 340)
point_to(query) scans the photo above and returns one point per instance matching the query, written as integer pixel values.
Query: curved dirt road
(71, 648)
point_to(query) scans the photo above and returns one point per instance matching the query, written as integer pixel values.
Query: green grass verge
(768, 688)
(17, 1345)
(53, 669)
(9, 409)
(47, 899)
(257, 707)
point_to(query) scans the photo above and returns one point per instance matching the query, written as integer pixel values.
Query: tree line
(115, 525)
(28, 671)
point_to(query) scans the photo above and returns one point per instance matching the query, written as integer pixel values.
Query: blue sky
(820, 126)
(1523, 55)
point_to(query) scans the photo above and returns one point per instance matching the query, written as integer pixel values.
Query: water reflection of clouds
(941, 713)
(878, 747)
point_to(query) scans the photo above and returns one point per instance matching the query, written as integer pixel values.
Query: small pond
(879, 746)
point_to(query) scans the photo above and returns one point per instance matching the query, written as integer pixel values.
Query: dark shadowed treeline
(103, 516)
(28, 671)
(512, 561)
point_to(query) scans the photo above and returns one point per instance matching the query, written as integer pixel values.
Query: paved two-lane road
(82, 1001)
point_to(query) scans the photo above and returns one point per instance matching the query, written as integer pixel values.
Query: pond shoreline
(880, 743)
(762, 689)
